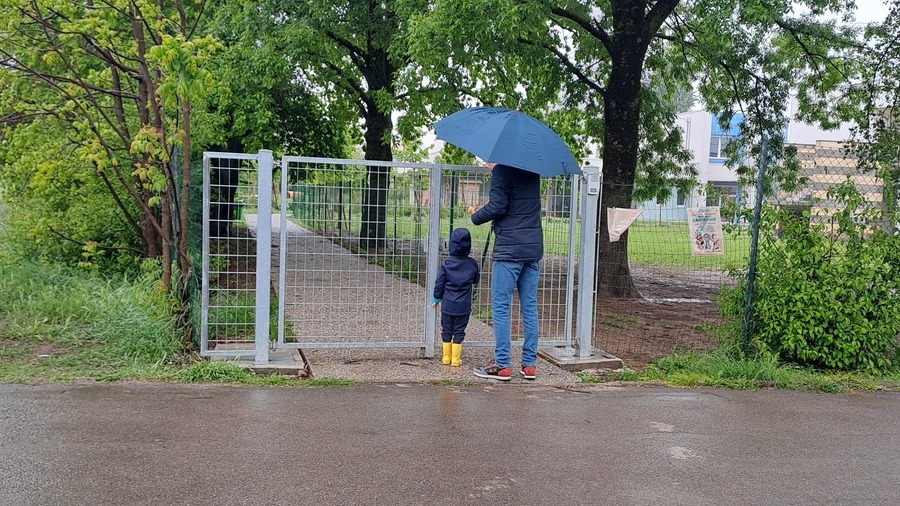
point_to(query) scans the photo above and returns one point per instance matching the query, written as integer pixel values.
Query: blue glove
(435, 301)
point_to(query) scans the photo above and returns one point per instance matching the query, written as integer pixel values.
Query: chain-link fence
(679, 272)
(662, 297)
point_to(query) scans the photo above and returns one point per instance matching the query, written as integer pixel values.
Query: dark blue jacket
(458, 274)
(515, 209)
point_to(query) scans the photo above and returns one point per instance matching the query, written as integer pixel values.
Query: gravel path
(333, 295)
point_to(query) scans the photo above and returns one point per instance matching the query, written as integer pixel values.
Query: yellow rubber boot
(445, 358)
(457, 355)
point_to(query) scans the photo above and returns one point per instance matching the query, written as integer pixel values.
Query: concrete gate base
(566, 357)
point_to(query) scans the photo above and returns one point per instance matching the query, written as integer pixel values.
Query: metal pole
(574, 191)
(433, 256)
(590, 199)
(453, 184)
(263, 255)
(282, 250)
(754, 245)
(204, 290)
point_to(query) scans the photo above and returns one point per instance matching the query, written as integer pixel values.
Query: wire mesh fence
(354, 252)
(679, 281)
(471, 187)
(672, 303)
(229, 257)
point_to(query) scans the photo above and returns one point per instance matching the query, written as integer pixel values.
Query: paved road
(396, 445)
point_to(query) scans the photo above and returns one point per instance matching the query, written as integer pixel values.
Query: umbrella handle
(487, 244)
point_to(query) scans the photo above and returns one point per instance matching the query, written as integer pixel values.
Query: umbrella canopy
(509, 137)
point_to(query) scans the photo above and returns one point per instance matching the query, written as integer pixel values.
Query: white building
(706, 140)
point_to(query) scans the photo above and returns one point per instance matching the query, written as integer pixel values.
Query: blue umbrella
(509, 137)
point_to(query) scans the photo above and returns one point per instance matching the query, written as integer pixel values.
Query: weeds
(726, 370)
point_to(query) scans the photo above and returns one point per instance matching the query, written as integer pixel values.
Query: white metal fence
(358, 245)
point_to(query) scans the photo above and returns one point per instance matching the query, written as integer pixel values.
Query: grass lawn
(649, 243)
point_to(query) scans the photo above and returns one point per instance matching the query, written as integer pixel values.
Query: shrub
(826, 297)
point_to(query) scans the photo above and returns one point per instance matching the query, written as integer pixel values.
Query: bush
(826, 297)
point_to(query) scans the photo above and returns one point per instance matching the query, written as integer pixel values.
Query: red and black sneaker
(494, 371)
(529, 372)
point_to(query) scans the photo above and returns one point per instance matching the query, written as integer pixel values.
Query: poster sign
(705, 225)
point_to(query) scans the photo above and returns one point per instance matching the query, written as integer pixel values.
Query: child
(453, 290)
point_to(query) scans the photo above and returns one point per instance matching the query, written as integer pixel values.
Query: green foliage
(259, 104)
(94, 97)
(208, 371)
(57, 207)
(727, 368)
(60, 324)
(826, 293)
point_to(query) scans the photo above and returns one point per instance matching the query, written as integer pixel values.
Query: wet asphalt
(122, 444)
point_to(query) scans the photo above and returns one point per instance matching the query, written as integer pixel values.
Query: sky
(871, 10)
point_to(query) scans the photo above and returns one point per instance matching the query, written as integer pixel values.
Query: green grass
(63, 325)
(649, 243)
(668, 243)
(224, 372)
(719, 369)
(232, 315)
(60, 325)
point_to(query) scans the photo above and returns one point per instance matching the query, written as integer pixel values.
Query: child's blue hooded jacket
(458, 274)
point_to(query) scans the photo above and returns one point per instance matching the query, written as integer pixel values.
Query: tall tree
(119, 77)
(350, 52)
(616, 65)
(877, 129)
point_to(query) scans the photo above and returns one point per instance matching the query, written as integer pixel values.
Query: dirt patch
(678, 311)
(28, 350)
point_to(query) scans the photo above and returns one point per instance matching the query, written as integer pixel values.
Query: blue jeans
(509, 276)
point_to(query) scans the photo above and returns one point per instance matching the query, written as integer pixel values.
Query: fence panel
(354, 274)
(229, 254)
(352, 260)
(675, 307)
(470, 186)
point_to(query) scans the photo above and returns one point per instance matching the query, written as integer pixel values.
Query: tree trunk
(379, 126)
(374, 209)
(150, 237)
(622, 103)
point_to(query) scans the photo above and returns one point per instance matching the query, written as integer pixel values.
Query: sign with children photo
(705, 226)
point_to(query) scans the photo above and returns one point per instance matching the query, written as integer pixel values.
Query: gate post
(263, 255)
(433, 254)
(587, 260)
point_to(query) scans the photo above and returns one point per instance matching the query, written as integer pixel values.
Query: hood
(460, 242)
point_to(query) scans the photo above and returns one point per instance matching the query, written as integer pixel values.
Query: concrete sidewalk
(337, 304)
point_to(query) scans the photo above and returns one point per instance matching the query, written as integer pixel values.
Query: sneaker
(529, 372)
(494, 371)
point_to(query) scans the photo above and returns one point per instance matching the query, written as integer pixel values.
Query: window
(681, 198)
(720, 192)
(717, 145)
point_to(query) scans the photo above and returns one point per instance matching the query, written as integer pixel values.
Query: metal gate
(359, 244)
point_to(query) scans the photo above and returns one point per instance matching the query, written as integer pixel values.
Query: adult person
(514, 208)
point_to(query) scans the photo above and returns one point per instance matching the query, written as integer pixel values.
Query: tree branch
(594, 29)
(356, 54)
(658, 14)
(106, 248)
(590, 83)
